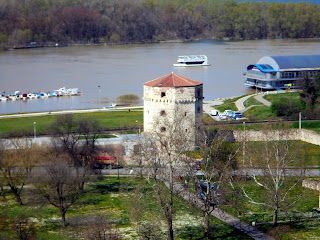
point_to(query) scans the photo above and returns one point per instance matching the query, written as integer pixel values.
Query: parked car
(229, 113)
(106, 163)
(214, 112)
(223, 116)
(238, 116)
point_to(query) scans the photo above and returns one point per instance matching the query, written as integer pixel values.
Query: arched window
(163, 113)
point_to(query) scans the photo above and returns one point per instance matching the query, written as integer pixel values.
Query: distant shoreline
(59, 45)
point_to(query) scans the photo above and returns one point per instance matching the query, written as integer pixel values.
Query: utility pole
(139, 126)
(244, 142)
(99, 94)
(299, 120)
(34, 130)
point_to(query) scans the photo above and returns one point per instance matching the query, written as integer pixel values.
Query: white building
(278, 72)
(173, 100)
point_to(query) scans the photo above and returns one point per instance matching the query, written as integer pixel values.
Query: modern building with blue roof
(278, 72)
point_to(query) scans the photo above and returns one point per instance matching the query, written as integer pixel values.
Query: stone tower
(172, 99)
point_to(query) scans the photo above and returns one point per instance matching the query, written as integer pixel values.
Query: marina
(17, 95)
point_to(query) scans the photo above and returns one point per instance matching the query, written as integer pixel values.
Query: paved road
(68, 112)
(244, 171)
(207, 107)
(218, 213)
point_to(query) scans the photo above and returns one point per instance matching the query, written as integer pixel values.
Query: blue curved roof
(262, 67)
(297, 61)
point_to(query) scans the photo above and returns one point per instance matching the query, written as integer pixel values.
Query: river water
(123, 69)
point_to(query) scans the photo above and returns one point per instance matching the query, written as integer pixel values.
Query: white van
(214, 112)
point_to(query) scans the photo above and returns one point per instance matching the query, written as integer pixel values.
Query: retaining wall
(292, 134)
(314, 185)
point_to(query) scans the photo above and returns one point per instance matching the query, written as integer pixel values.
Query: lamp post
(99, 94)
(34, 130)
(299, 120)
(244, 141)
(139, 126)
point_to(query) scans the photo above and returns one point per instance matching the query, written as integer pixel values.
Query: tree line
(138, 21)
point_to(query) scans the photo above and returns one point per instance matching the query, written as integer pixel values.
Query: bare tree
(218, 164)
(59, 185)
(16, 163)
(162, 154)
(77, 138)
(274, 159)
(100, 228)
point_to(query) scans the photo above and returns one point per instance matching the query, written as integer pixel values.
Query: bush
(128, 99)
(286, 107)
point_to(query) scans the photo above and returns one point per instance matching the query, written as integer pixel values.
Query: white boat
(66, 91)
(191, 61)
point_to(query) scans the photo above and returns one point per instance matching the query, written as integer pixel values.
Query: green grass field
(251, 101)
(126, 203)
(303, 209)
(108, 120)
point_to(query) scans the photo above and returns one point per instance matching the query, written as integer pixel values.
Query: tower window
(163, 129)
(163, 94)
(162, 113)
(185, 114)
(199, 109)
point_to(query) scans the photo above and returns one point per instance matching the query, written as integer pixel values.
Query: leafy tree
(286, 107)
(310, 87)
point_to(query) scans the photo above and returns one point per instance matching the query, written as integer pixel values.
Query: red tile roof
(172, 80)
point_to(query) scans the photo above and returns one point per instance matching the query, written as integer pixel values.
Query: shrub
(128, 99)
(286, 107)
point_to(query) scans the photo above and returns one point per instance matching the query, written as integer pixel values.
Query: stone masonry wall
(164, 106)
(314, 185)
(292, 134)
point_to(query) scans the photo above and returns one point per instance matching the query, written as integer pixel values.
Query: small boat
(191, 61)
(66, 91)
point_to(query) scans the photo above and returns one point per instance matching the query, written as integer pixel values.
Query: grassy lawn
(259, 112)
(108, 120)
(228, 104)
(287, 95)
(125, 203)
(251, 101)
(303, 208)
(303, 153)
(315, 125)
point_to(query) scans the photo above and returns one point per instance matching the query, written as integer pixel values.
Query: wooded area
(47, 22)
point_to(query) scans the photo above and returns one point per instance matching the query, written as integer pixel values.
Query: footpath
(240, 102)
(20, 115)
(218, 213)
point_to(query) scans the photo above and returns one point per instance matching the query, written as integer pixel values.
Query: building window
(186, 130)
(185, 114)
(163, 129)
(162, 113)
(163, 94)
